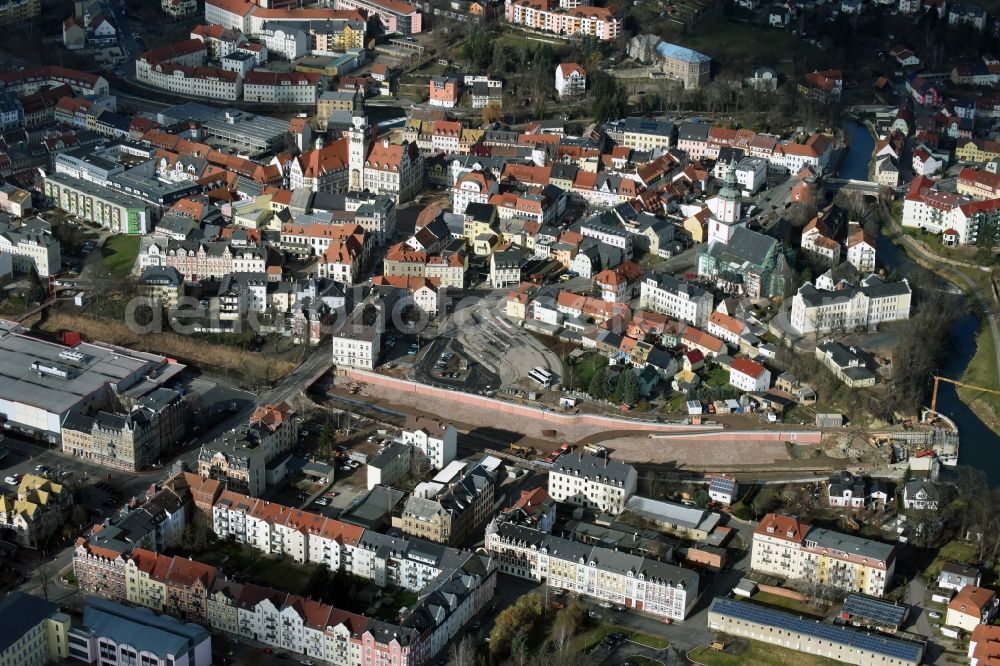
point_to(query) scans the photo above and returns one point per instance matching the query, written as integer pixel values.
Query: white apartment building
(789, 549)
(280, 87)
(358, 341)
(229, 14)
(287, 41)
(644, 584)
(823, 308)
(438, 441)
(571, 79)
(936, 211)
(472, 187)
(608, 234)
(31, 247)
(679, 300)
(861, 251)
(594, 482)
(239, 62)
(194, 81)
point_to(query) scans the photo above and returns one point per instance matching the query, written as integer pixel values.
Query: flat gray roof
(65, 375)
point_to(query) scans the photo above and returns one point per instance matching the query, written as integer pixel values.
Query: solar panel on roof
(876, 610)
(892, 647)
(723, 485)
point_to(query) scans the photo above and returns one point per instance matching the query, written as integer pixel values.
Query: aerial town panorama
(500, 332)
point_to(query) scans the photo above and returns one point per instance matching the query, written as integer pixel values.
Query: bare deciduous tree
(462, 653)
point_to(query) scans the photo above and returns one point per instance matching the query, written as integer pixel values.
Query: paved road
(319, 360)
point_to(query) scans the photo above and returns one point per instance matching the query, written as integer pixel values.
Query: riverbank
(983, 368)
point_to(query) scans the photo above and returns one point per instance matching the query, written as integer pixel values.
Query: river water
(979, 445)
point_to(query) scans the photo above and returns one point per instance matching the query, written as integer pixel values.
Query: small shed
(745, 588)
(694, 408)
(829, 420)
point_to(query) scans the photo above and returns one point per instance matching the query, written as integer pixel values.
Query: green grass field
(716, 377)
(953, 551)
(758, 654)
(982, 371)
(587, 365)
(779, 601)
(244, 561)
(728, 41)
(119, 254)
(588, 640)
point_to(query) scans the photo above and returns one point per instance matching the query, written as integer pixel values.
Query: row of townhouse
(277, 530)
(196, 260)
(796, 551)
(192, 590)
(642, 583)
(959, 219)
(703, 140)
(28, 80)
(295, 39)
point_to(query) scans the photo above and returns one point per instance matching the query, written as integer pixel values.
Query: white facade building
(679, 300)
(437, 441)
(593, 482)
(357, 343)
(571, 79)
(823, 308)
(644, 584)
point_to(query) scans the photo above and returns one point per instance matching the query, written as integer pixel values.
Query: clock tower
(727, 211)
(358, 140)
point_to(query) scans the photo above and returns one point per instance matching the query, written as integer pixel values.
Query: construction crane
(937, 383)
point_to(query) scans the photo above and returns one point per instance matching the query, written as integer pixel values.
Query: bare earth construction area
(694, 447)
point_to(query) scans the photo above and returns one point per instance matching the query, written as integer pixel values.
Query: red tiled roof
(782, 527)
(745, 366)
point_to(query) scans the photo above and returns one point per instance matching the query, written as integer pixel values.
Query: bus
(542, 376)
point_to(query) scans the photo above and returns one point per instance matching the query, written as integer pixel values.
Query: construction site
(738, 443)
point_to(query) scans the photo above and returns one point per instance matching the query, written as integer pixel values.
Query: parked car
(934, 615)
(12, 480)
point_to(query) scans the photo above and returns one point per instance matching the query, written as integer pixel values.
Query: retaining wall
(444, 397)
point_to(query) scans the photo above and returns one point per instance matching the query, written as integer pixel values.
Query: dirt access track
(633, 440)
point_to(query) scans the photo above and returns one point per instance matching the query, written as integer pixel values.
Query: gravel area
(686, 452)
